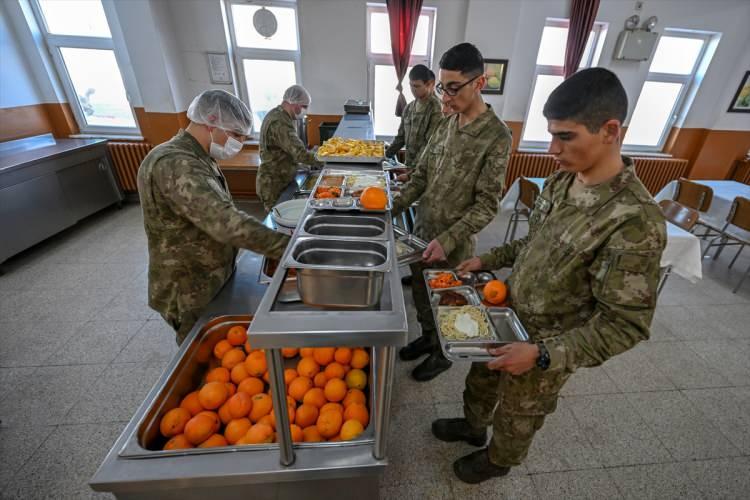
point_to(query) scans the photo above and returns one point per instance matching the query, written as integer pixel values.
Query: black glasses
(455, 90)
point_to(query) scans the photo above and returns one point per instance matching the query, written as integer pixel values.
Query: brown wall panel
(23, 121)
(718, 153)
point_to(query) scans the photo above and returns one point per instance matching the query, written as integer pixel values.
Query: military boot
(419, 347)
(434, 365)
(476, 467)
(458, 429)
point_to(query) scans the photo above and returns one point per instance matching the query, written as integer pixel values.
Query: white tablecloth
(683, 250)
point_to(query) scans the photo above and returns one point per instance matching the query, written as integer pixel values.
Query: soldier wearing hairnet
(192, 225)
(281, 150)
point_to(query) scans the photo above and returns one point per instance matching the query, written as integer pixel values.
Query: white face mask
(230, 148)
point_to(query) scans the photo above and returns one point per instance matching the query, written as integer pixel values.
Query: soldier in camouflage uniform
(420, 117)
(281, 150)
(193, 228)
(583, 282)
(457, 181)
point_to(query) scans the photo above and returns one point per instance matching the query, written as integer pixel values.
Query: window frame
(600, 30)
(687, 81)
(239, 54)
(387, 59)
(54, 43)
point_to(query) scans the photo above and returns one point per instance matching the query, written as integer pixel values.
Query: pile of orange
(326, 398)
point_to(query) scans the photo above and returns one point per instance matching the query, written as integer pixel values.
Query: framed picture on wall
(741, 101)
(495, 70)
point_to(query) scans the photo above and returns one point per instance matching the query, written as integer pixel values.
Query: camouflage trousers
(269, 189)
(183, 324)
(515, 406)
(421, 298)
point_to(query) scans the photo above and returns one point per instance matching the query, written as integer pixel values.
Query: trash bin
(327, 129)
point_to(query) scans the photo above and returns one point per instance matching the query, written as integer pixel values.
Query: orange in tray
(373, 198)
(444, 280)
(495, 292)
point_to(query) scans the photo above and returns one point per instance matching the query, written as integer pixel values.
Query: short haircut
(422, 73)
(464, 57)
(589, 97)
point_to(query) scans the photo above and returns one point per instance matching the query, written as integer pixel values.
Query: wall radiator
(127, 157)
(655, 173)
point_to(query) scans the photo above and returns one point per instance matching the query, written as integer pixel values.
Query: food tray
(468, 279)
(345, 202)
(468, 293)
(416, 246)
(353, 159)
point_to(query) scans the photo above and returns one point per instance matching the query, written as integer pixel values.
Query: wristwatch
(543, 360)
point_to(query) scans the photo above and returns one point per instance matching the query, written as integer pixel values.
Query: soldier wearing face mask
(281, 150)
(193, 227)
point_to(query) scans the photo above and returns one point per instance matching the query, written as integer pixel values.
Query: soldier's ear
(611, 132)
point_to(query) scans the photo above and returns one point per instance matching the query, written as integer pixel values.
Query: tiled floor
(79, 349)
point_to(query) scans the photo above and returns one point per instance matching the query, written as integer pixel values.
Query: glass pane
(386, 121)
(75, 17)
(266, 83)
(98, 84)
(552, 46)
(652, 113)
(676, 55)
(380, 35)
(285, 37)
(536, 124)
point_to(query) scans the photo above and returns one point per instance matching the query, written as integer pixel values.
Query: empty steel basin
(348, 226)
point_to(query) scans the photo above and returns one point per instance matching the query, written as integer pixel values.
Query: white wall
(17, 87)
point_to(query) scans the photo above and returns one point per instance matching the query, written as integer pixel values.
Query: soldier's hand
(473, 264)
(434, 253)
(516, 358)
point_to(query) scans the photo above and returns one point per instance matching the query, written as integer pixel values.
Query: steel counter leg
(278, 395)
(385, 359)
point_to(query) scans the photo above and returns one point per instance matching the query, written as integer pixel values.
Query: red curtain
(582, 16)
(402, 16)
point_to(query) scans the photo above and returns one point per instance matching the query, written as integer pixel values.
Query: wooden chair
(681, 216)
(739, 216)
(696, 196)
(527, 193)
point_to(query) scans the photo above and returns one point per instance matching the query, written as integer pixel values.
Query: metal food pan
(467, 292)
(322, 224)
(416, 245)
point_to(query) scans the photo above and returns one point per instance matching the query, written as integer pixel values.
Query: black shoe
(476, 467)
(423, 345)
(431, 367)
(406, 280)
(458, 429)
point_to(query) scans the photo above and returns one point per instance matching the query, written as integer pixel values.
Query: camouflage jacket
(584, 280)
(457, 181)
(281, 150)
(193, 227)
(416, 129)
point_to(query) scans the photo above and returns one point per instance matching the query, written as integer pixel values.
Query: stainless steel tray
(416, 246)
(346, 202)
(352, 159)
(342, 225)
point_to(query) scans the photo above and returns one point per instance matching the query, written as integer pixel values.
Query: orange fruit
(306, 416)
(335, 439)
(357, 411)
(199, 428)
(232, 358)
(239, 373)
(178, 442)
(351, 429)
(240, 405)
(268, 420)
(354, 396)
(356, 379)
(306, 352)
(237, 335)
(255, 364)
(214, 418)
(329, 423)
(299, 387)
(260, 433)
(360, 358)
(332, 407)
(289, 375)
(231, 389)
(495, 292)
(173, 422)
(323, 355)
(214, 441)
(320, 380)
(236, 429)
(335, 370)
(212, 395)
(291, 410)
(308, 367)
(343, 355)
(251, 386)
(289, 352)
(262, 405)
(373, 198)
(219, 374)
(315, 397)
(224, 414)
(335, 390)
(221, 348)
(248, 347)
(192, 403)
(297, 435)
(267, 377)
(311, 434)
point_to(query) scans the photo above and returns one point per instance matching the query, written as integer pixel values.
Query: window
(382, 73)
(80, 42)
(549, 74)
(673, 68)
(268, 66)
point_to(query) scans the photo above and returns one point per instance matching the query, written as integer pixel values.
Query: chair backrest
(679, 215)
(528, 191)
(693, 195)
(739, 214)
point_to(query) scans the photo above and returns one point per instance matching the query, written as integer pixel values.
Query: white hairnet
(297, 94)
(219, 108)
